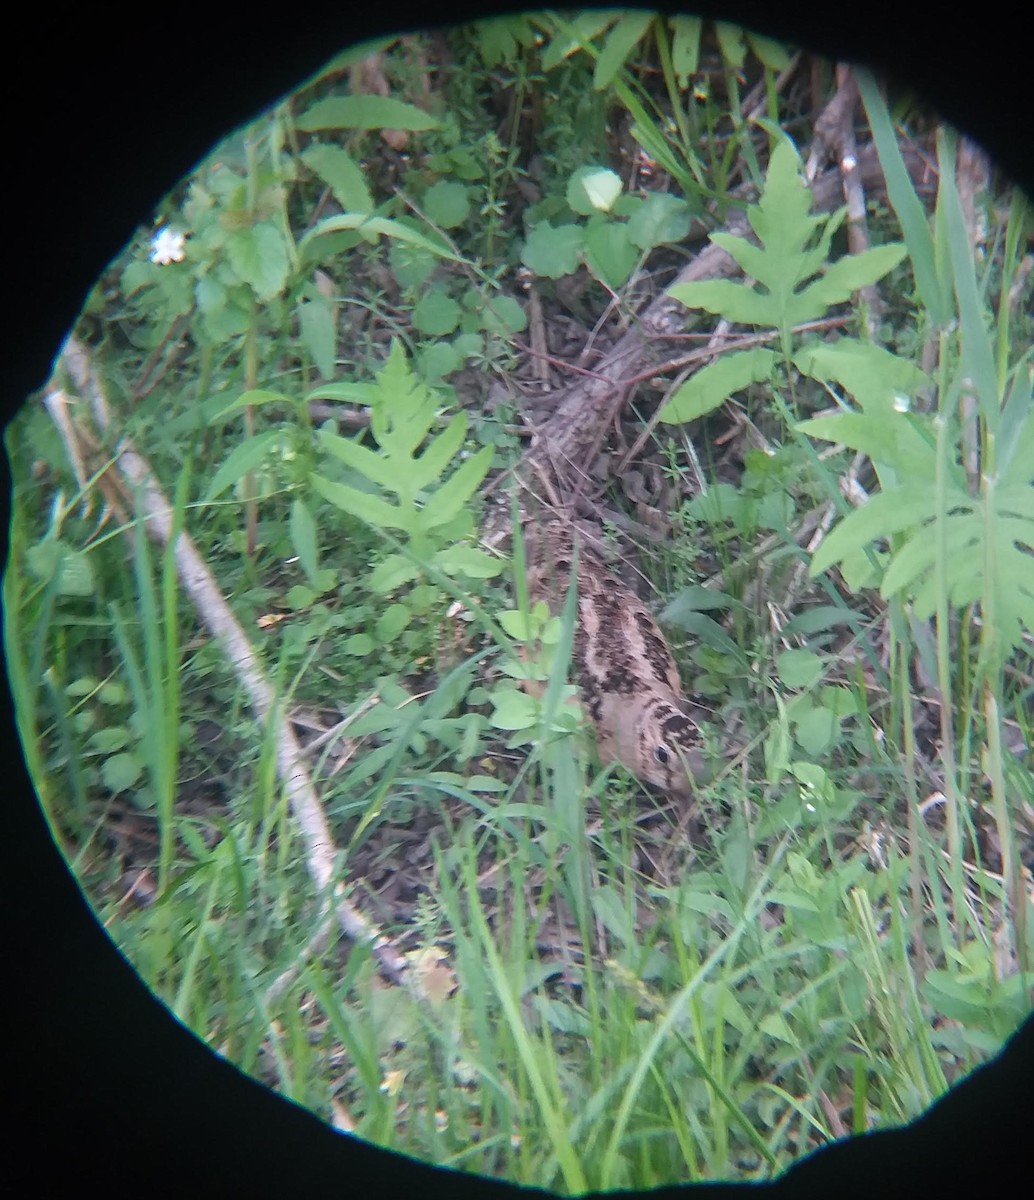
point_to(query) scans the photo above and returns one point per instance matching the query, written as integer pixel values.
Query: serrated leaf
(440, 451)
(712, 385)
(504, 316)
(371, 509)
(436, 313)
(661, 218)
(342, 173)
(259, 256)
(553, 251)
(451, 497)
(447, 203)
(851, 273)
(467, 560)
(245, 457)
(735, 301)
(360, 458)
(881, 516)
(364, 112)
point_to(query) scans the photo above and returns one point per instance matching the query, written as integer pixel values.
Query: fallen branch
(139, 489)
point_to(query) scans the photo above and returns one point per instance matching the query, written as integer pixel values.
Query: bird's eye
(661, 754)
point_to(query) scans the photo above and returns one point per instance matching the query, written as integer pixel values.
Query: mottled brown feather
(623, 666)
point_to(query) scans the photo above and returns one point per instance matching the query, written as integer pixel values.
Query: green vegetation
(323, 350)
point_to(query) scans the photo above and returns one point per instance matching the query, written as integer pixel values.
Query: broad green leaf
(880, 516)
(800, 668)
(609, 253)
(436, 313)
(259, 256)
(660, 218)
(244, 457)
(121, 772)
(715, 383)
(730, 41)
(503, 315)
(772, 54)
(447, 203)
(617, 46)
(553, 251)
(342, 173)
(685, 47)
(364, 112)
(593, 189)
(391, 622)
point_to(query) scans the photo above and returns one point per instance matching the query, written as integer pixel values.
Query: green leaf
(244, 457)
(772, 54)
(391, 622)
(121, 772)
(593, 189)
(660, 218)
(609, 253)
(371, 228)
(905, 202)
(451, 497)
(436, 313)
(553, 252)
(364, 112)
(712, 385)
(504, 316)
(259, 256)
(304, 538)
(447, 203)
(429, 468)
(467, 560)
(319, 336)
(851, 273)
(360, 458)
(685, 47)
(617, 46)
(800, 668)
(371, 509)
(391, 573)
(730, 41)
(342, 173)
(513, 710)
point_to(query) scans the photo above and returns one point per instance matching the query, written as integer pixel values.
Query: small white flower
(167, 247)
